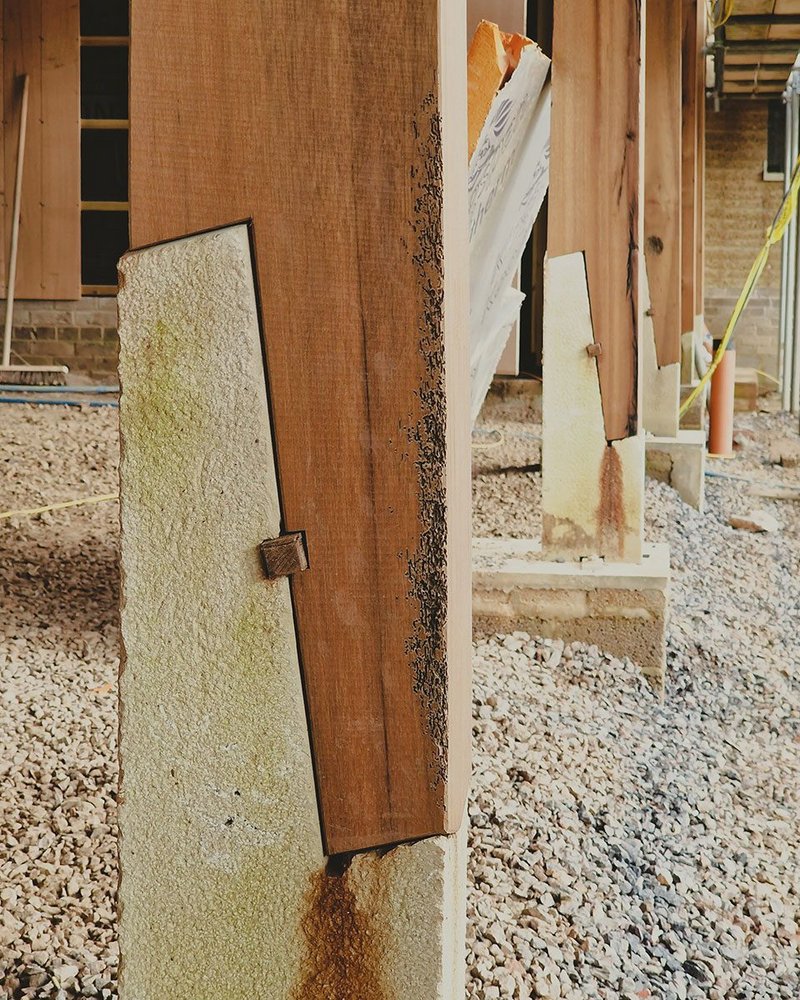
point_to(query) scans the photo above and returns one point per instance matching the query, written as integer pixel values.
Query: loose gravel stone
(58, 666)
(621, 846)
(645, 848)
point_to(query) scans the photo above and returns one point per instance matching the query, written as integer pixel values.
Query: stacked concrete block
(81, 334)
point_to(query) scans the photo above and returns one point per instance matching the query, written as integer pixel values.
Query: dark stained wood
(286, 113)
(662, 185)
(284, 555)
(594, 181)
(41, 38)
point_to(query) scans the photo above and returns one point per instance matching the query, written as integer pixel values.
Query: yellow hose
(727, 10)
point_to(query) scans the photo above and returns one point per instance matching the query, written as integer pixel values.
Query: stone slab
(224, 890)
(681, 462)
(620, 607)
(592, 490)
(660, 386)
(696, 417)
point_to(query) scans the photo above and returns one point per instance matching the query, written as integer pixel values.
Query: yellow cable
(772, 378)
(58, 506)
(727, 10)
(774, 233)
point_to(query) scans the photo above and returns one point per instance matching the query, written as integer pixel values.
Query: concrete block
(224, 889)
(592, 491)
(746, 391)
(695, 417)
(620, 607)
(681, 462)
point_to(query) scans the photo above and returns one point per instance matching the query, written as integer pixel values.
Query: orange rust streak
(611, 509)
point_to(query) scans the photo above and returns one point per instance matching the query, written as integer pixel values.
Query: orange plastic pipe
(723, 390)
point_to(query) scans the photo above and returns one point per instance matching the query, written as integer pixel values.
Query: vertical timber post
(592, 579)
(691, 154)
(700, 179)
(661, 335)
(593, 450)
(301, 373)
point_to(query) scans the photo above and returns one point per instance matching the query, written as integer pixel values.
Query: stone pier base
(681, 462)
(225, 891)
(620, 607)
(695, 417)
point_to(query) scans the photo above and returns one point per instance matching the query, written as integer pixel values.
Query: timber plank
(61, 221)
(594, 186)
(662, 214)
(689, 164)
(700, 169)
(365, 340)
(22, 27)
(487, 66)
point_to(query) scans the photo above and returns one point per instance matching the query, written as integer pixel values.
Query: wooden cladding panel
(594, 181)
(259, 110)
(42, 40)
(662, 213)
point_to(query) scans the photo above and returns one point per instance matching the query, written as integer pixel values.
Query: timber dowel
(284, 555)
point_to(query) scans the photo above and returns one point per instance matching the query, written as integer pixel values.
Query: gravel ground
(58, 666)
(621, 847)
(659, 858)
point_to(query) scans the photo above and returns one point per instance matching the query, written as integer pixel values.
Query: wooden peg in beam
(284, 555)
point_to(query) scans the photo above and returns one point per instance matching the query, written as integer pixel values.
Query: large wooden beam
(592, 450)
(594, 188)
(662, 216)
(700, 177)
(353, 170)
(689, 163)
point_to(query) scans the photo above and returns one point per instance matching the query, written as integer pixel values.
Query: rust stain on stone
(344, 945)
(611, 509)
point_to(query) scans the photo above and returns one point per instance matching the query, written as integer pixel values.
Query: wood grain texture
(61, 222)
(487, 66)
(595, 176)
(662, 185)
(700, 172)
(689, 163)
(42, 40)
(362, 269)
(283, 555)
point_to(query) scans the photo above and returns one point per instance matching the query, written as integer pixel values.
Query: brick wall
(739, 207)
(81, 335)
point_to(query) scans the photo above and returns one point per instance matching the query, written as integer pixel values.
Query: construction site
(400, 519)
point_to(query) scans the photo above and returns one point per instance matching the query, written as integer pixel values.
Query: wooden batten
(662, 214)
(362, 272)
(493, 56)
(487, 66)
(594, 187)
